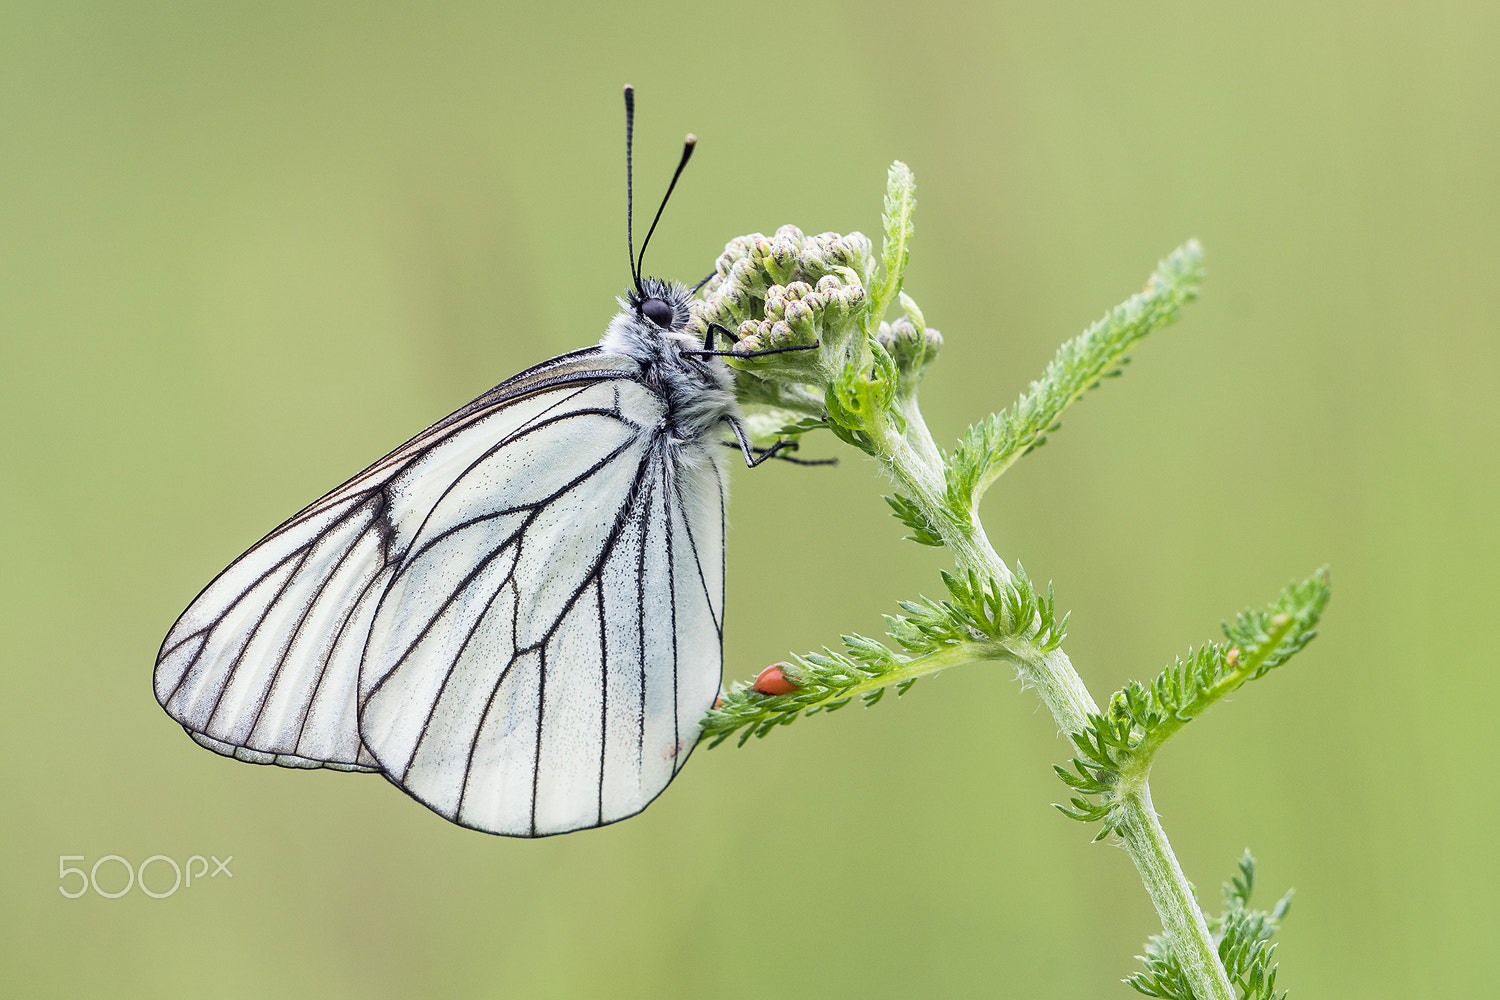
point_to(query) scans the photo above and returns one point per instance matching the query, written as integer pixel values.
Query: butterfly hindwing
(243, 670)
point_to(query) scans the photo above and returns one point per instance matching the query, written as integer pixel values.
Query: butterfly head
(660, 303)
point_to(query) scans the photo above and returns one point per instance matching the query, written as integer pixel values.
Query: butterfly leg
(708, 335)
(779, 453)
(705, 353)
(754, 456)
(709, 352)
(751, 458)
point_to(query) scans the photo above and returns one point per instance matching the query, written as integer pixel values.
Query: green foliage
(861, 383)
(895, 249)
(1009, 614)
(991, 446)
(797, 428)
(1123, 740)
(980, 620)
(861, 396)
(1268, 637)
(1243, 937)
(909, 514)
(825, 682)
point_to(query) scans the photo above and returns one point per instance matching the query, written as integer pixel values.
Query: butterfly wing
(517, 615)
(263, 665)
(541, 656)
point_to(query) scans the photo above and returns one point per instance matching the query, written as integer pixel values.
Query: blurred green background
(246, 248)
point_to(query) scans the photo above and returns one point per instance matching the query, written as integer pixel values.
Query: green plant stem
(1172, 895)
(1060, 688)
(917, 433)
(919, 472)
(920, 666)
(1052, 674)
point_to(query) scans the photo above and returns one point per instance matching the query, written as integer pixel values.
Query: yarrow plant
(861, 384)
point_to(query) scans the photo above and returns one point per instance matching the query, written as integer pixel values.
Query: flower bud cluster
(799, 313)
(790, 290)
(911, 345)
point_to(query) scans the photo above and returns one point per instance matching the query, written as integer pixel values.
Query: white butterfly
(516, 616)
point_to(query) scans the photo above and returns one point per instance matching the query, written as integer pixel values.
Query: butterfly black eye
(657, 312)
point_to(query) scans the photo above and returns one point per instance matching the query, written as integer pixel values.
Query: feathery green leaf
(991, 446)
(895, 250)
(980, 620)
(909, 514)
(1140, 718)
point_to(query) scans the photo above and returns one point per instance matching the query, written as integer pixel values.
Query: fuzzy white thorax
(698, 392)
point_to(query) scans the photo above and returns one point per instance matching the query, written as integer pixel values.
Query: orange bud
(773, 680)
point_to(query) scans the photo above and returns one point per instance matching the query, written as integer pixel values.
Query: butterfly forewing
(516, 615)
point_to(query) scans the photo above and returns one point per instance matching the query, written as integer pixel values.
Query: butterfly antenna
(635, 274)
(687, 153)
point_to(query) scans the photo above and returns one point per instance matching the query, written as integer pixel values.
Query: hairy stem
(1060, 688)
(921, 477)
(915, 463)
(918, 434)
(1172, 895)
(1052, 674)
